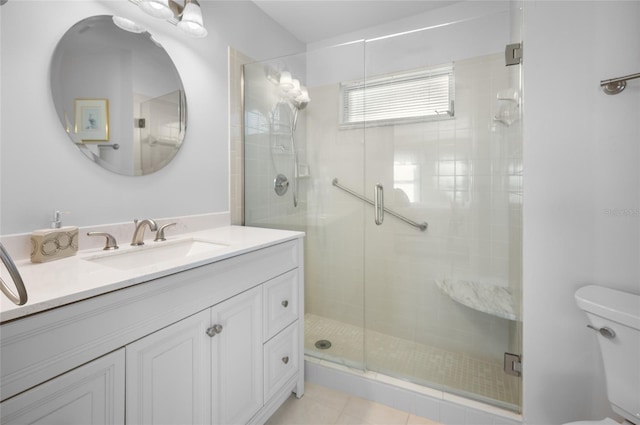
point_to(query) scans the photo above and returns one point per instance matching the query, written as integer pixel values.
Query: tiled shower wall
(267, 154)
(469, 179)
(467, 175)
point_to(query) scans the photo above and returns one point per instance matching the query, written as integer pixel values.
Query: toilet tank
(619, 311)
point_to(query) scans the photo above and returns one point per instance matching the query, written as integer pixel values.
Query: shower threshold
(422, 401)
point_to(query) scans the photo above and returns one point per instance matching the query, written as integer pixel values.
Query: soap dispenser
(54, 243)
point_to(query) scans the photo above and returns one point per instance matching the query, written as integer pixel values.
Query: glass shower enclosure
(401, 158)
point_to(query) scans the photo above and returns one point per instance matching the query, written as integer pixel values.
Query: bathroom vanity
(211, 338)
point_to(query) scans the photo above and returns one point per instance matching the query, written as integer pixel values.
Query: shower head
(301, 101)
(300, 104)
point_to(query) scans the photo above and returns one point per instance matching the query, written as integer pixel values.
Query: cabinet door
(168, 375)
(91, 394)
(237, 380)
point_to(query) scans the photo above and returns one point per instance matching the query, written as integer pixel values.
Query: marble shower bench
(482, 296)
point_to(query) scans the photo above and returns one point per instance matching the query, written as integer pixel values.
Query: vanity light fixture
(285, 81)
(296, 90)
(290, 87)
(191, 19)
(185, 14)
(128, 25)
(157, 8)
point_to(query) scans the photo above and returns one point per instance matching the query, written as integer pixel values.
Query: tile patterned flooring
(454, 372)
(324, 406)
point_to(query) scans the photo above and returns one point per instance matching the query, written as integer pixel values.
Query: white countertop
(60, 282)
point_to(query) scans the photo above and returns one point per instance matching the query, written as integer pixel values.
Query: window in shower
(402, 97)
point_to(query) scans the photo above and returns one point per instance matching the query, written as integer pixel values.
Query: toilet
(615, 316)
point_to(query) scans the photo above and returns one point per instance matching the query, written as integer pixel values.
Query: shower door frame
(376, 238)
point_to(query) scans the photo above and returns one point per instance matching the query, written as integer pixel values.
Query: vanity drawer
(280, 298)
(281, 360)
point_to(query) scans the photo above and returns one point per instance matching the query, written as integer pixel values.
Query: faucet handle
(111, 243)
(160, 233)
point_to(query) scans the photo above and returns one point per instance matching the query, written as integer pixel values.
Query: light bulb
(191, 20)
(295, 91)
(157, 8)
(286, 82)
(304, 96)
(128, 25)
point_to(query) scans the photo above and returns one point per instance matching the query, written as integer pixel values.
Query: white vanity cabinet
(91, 394)
(217, 344)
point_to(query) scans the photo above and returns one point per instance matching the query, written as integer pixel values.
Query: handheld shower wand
(299, 105)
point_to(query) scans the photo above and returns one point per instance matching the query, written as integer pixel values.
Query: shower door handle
(378, 204)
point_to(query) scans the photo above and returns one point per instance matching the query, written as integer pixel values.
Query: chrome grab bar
(616, 85)
(620, 79)
(378, 204)
(21, 298)
(421, 226)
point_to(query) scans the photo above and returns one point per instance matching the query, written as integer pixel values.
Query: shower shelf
(485, 297)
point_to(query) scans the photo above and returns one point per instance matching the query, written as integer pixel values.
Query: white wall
(457, 32)
(41, 170)
(457, 12)
(582, 153)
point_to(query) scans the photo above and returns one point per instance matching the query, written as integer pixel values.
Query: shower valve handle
(280, 184)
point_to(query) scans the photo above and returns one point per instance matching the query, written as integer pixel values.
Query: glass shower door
(306, 159)
(429, 123)
(443, 138)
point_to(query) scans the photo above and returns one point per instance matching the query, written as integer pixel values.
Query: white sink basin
(156, 253)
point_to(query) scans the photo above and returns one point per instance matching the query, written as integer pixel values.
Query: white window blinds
(408, 96)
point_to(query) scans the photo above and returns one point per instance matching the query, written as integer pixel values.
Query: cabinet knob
(285, 359)
(285, 303)
(214, 330)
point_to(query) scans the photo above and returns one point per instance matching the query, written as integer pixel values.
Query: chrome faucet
(138, 233)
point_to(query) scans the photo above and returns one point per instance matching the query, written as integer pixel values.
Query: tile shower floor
(444, 370)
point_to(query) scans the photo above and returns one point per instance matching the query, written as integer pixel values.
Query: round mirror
(118, 96)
